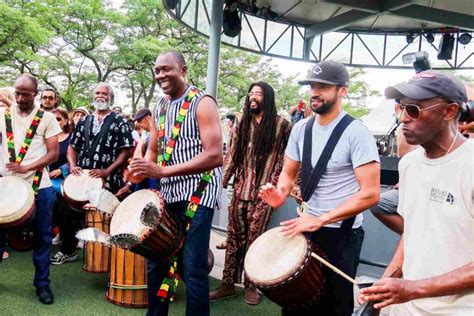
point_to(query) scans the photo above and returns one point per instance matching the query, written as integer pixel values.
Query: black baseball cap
(142, 113)
(427, 85)
(329, 72)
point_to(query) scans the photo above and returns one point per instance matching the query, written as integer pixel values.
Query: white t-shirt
(436, 202)
(47, 128)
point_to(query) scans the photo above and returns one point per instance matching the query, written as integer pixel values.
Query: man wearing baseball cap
(347, 168)
(435, 253)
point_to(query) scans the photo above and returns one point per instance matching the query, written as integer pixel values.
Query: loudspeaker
(171, 4)
(231, 24)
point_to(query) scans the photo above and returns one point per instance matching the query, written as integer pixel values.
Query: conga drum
(96, 255)
(75, 189)
(17, 202)
(283, 269)
(128, 283)
(156, 234)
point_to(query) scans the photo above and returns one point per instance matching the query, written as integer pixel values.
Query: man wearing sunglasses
(49, 99)
(435, 253)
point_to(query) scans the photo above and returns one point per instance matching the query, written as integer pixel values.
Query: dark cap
(141, 114)
(329, 72)
(427, 85)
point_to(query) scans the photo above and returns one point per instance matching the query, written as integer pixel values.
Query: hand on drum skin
(124, 191)
(389, 291)
(271, 195)
(16, 168)
(76, 170)
(54, 174)
(143, 167)
(303, 223)
(98, 173)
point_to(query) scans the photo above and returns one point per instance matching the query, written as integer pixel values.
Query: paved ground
(217, 238)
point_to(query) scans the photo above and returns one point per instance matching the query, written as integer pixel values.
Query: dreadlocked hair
(264, 136)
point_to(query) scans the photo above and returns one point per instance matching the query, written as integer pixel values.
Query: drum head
(16, 198)
(126, 219)
(273, 258)
(75, 187)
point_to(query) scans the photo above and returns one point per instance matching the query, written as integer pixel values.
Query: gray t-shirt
(338, 183)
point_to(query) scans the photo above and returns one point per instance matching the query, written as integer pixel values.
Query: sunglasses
(48, 97)
(412, 110)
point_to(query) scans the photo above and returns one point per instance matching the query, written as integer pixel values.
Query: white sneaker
(60, 258)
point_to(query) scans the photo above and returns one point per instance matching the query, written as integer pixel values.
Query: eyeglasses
(48, 97)
(257, 94)
(412, 110)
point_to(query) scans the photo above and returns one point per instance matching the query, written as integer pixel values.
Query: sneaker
(6, 255)
(60, 258)
(56, 240)
(45, 295)
(222, 292)
(252, 297)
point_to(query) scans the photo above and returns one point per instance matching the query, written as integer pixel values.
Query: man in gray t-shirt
(348, 186)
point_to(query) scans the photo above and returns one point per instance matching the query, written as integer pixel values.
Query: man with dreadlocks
(254, 158)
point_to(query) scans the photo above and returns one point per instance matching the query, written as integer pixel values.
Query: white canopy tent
(382, 118)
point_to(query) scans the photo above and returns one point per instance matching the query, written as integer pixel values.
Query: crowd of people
(327, 160)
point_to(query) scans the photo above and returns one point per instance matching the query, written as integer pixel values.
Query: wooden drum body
(156, 241)
(75, 189)
(17, 202)
(283, 269)
(96, 255)
(128, 281)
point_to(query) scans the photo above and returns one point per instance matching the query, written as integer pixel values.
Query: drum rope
(170, 283)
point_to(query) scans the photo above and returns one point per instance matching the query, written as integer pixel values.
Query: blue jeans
(192, 266)
(44, 201)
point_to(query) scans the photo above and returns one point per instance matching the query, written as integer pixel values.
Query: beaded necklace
(30, 133)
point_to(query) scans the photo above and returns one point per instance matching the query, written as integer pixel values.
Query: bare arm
(210, 158)
(52, 154)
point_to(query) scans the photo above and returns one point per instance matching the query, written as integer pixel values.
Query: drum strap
(310, 178)
(30, 134)
(170, 283)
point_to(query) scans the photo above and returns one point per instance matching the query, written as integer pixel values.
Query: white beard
(101, 106)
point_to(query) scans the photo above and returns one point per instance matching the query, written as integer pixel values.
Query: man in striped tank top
(255, 157)
(198, 148)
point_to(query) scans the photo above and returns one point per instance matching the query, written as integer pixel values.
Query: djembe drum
(75, 189)
(283, 269)
(96, 255)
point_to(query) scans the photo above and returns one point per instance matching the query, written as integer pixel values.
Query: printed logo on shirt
(440, 196)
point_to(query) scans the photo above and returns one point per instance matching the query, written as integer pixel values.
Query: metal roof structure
(363, 33)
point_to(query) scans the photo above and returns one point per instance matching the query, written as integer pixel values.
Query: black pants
(70, 222)
(342, 250)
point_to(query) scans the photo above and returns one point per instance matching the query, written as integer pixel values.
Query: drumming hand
(16, 168)
(146, 168)
(303, 223)
(124, 191)
(389, 291)
(76, 171)
(98, 173)
(271, 195)
(54, 174)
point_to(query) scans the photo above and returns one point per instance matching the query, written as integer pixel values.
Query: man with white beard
(102, 142)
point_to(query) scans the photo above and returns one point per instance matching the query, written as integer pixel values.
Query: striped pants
(247, 221)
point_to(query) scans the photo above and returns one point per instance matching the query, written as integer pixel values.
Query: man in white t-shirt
(43, 150)
(436, 253)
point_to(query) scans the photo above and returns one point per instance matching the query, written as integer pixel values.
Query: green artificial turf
(79, 293)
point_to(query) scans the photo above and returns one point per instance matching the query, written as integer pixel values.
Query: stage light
(231, 23)
(446, 45)
(410, 38)
(464, 38)
(429, 37)
(171, 4)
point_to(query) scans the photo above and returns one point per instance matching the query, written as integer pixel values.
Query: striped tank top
(188, 145)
